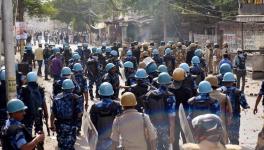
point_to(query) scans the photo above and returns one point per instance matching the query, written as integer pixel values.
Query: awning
(99, 26)
(250, 18)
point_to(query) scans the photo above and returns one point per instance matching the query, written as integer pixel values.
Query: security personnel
(101, 59)
(179, 53)
(76, 58)
(107, 52)
(131, 58)
(224, 68)
(162, 48)
(152, 71)
(29, 57)
(79, 50)
(203, 65)
(160, 106)
(81, 80)
(237, 99)
(86, 52)
(122, 125)
(260, 95)
(14, 134)
(141, 88)
(225, 104)
(197, 70)
(208, 132)
(225, 60)
(113, 78)
(240, 67)
(33, 96)
(203, 103)
(156, 57)
(183, 94)
(189, 81)
(216, 58)
(66, 109)
(3, 98)
(209, 56)
(67, 54)
(94, 75)
(103, 114)
(169, 60)
(65, 74)
(115, 60)
(190, 53)
(47, 54)
(129, 73)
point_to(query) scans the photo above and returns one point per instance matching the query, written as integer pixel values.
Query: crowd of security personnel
(142, 113)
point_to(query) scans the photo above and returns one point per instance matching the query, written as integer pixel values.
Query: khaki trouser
(215, 67)
(241, 74)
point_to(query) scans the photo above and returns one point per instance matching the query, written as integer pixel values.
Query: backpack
(7, 134)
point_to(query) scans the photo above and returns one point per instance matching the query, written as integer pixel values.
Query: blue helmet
(15, 105)
(67, 84)
(32, 77)
(85, 45)
(185, 67)
(94, 49)
(168, 51)
(129, 53)
(65, 71)
(164, 78)
(195, 60)
(229, 77)
(114, 53)
(128, 64)
(2, 75)
(155, 52)
(224, 68)
(77, 67)
(151, 68)
(162, 68)
(108, 50)
(109, 66)
(28, 48)
(204, 87)
(106, 89)
(98, 51)
(55, 49)
(141, 74)
(76, 57)
(198, 53)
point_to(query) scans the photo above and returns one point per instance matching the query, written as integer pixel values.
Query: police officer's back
(3, 98)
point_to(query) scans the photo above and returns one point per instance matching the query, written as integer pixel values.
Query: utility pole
(8, 39)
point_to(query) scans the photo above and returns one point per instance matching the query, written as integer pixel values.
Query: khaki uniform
(180, 55)
(209, 58)
(226, 109)
(161, 50)
(206, 145)
(218, 57)
(39, 54)
(130, 126)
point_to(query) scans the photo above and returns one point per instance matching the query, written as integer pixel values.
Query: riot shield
(90, 132)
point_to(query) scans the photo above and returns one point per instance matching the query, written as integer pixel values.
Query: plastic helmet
(168, 51)
(151, 68)
(67, 84)
(198, 53)
(229, 77)
(128, 64)
(155, 52)
(195, 60)
(113, 53)
(32, 77)
(106, 89)
(65, 71)
(66, 45)
(76, 57)
(55, 49)
(15, 105)
(212, 80)
(162, 42)
(170, 43)
(85, 45)
(94, 49)
(79, 45)
(98, 51)
(178, 74)
(128, 99)
(179, 44)
(109, 66)
(204, 87)
(216, 45)
(185, 67)
(239, 50)
(28, 48)
(108, 50)
(2, 75)
(162, 68)
(129, 53)
(77, 67)
(164, 78)
(224, 68)
(141, 74)
(209, 126)
(192, 45)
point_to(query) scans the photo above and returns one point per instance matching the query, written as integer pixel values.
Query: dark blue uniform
(102, 115)
(133, 59)
(67, 108)
(198, 71)
(3, 100)
(158, 60)
(170, 62)
(113, 79)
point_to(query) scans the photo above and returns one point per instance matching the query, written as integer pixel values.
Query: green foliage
(39, 8)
